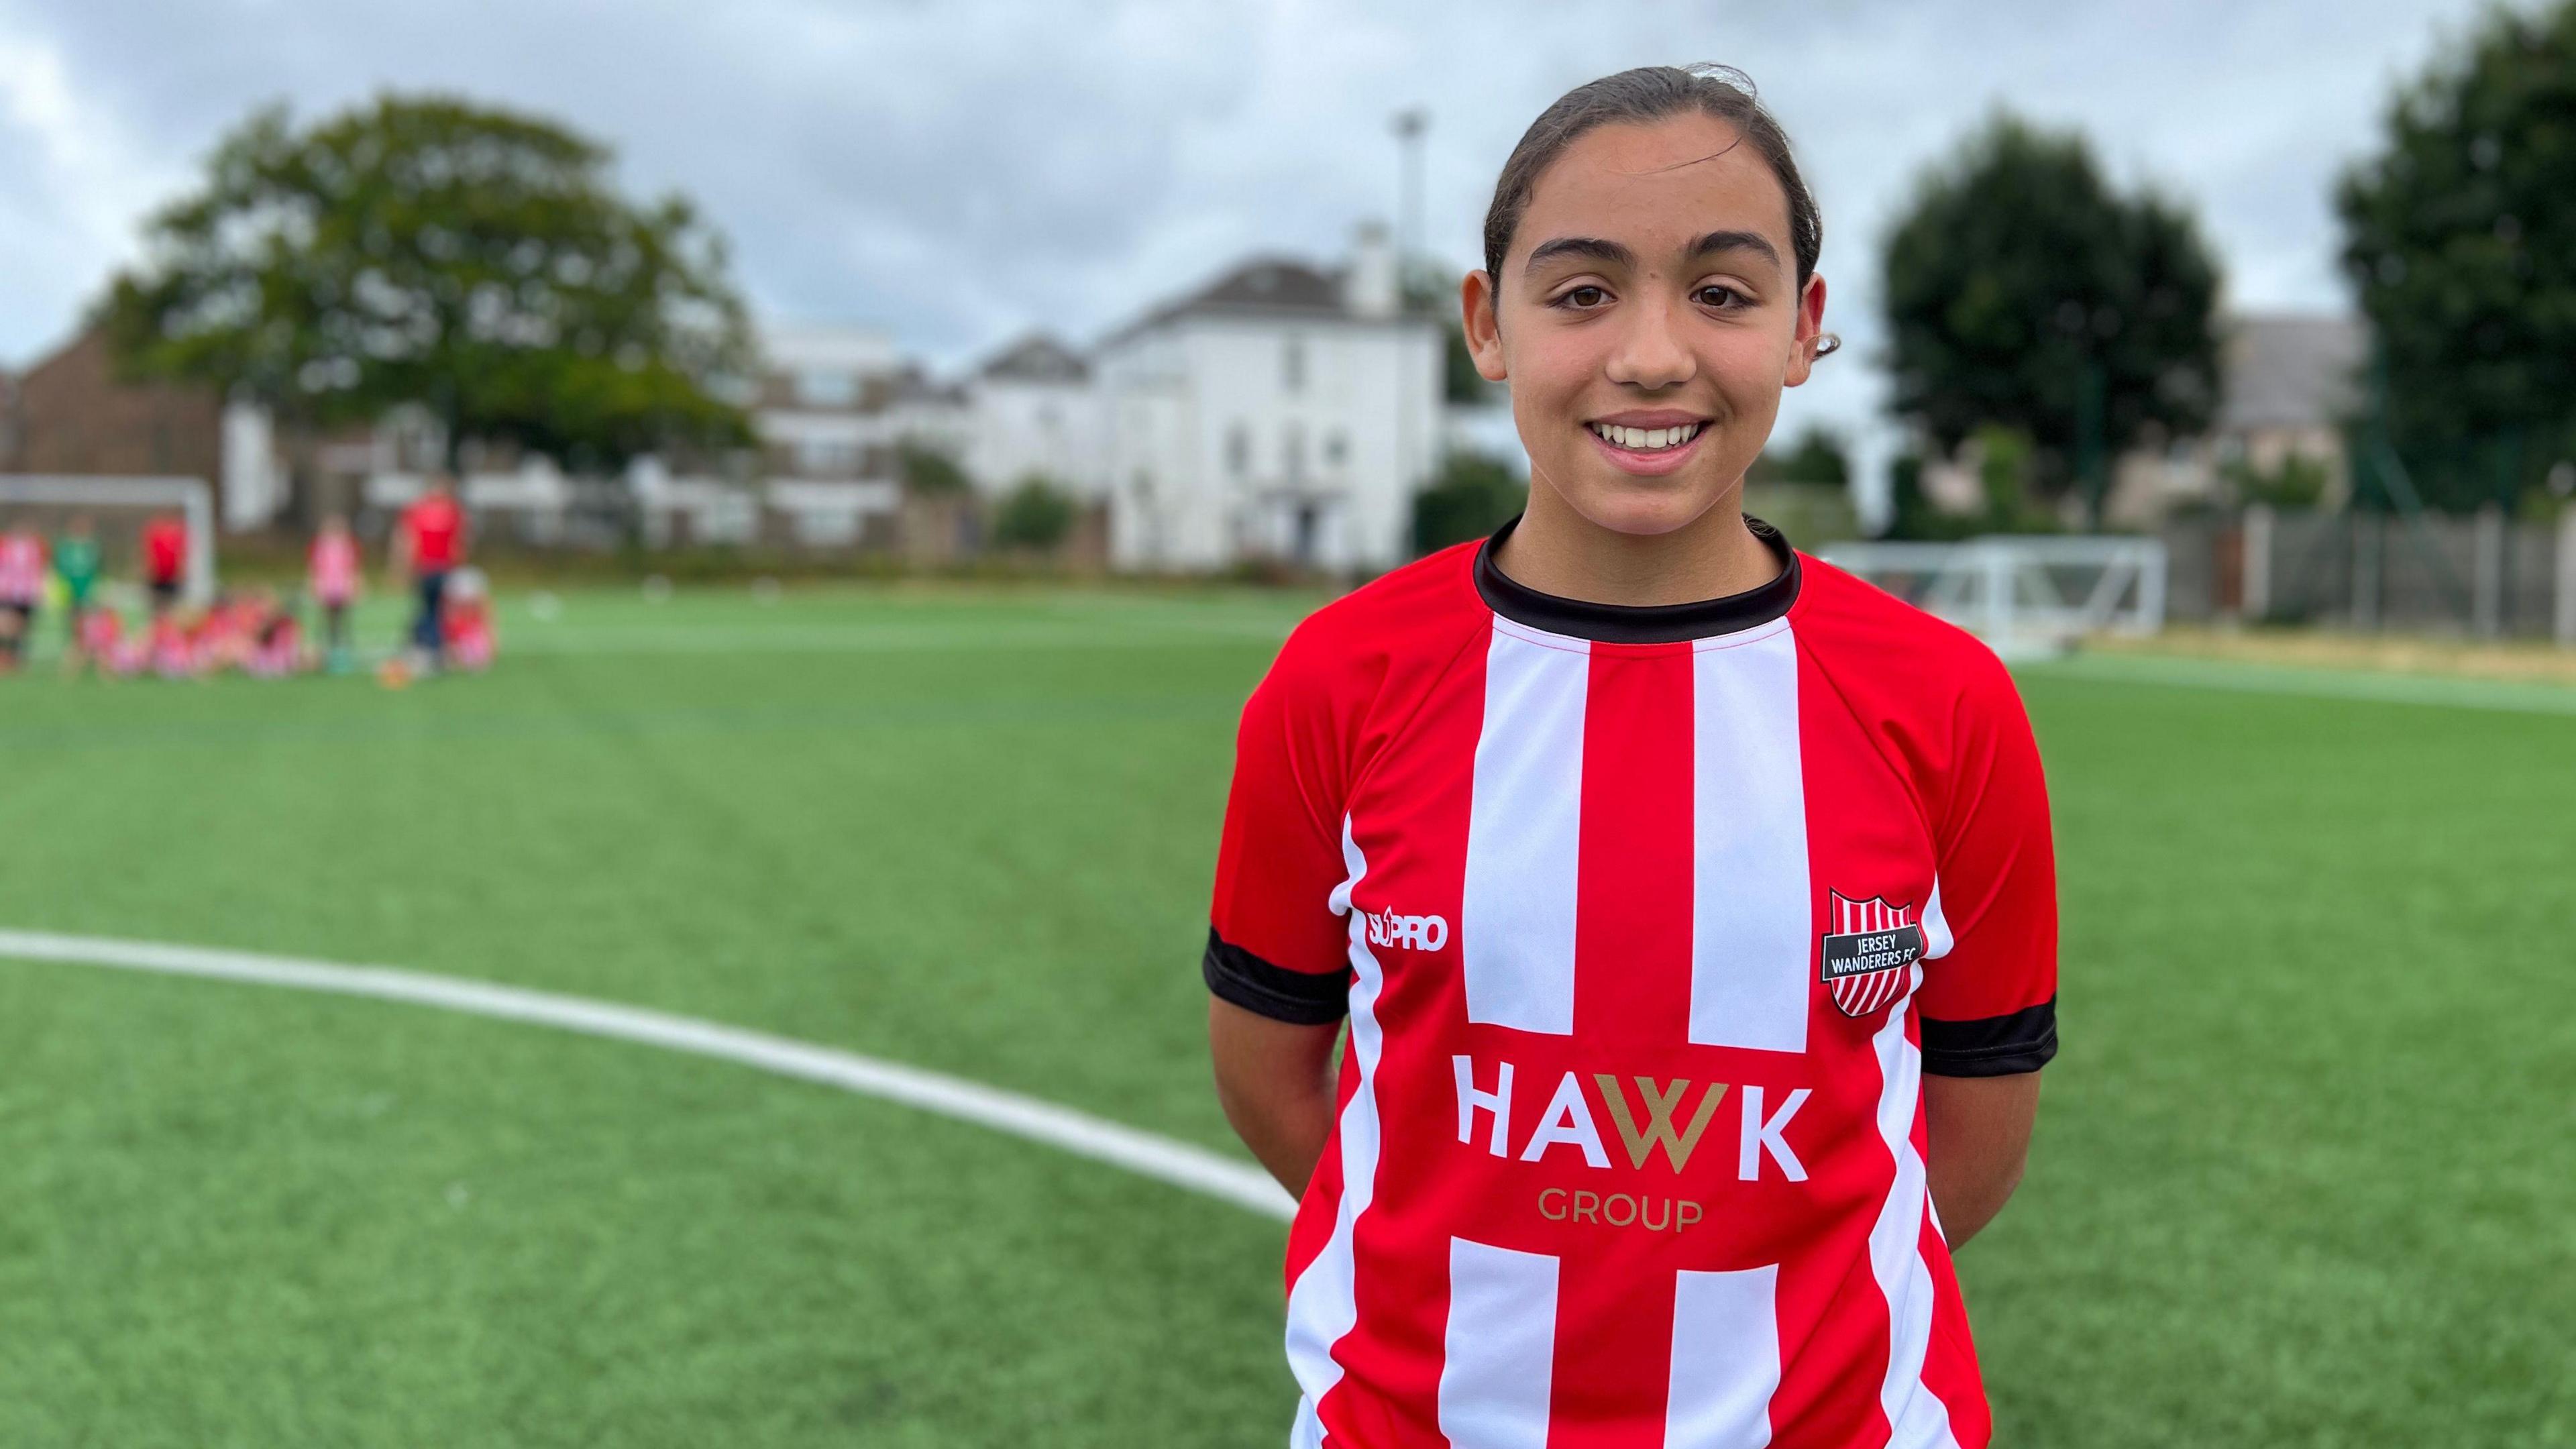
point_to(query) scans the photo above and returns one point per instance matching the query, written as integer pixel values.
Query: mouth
(1646, 440)
(1648, 452)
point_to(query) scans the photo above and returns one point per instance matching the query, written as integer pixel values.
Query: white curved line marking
(1079, 1133)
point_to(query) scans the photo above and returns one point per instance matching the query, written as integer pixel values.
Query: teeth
(1646, 439)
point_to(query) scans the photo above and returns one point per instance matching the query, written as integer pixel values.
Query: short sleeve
(1275, 945)
(1989, 996)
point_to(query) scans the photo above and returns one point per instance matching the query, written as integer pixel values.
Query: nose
(1651, 353)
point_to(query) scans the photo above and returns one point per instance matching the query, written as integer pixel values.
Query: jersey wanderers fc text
(1647, 922)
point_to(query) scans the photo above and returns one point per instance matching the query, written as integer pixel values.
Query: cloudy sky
(960, 171)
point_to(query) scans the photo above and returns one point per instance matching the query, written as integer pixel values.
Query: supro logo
(1413, 933)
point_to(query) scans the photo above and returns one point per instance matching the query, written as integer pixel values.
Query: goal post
(2024, 594)
(66, 494)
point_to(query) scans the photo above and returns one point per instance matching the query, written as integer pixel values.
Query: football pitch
(2302, 1176)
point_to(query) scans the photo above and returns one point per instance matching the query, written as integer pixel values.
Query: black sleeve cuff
(1993, 1046)
(1301, 998)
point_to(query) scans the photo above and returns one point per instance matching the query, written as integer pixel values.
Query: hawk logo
(1870, 951)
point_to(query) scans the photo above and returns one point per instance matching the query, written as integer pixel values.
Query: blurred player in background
(22, 588)
(429, 543)
(76, 563)
(469, 621)
(332, 572)
(165, 559)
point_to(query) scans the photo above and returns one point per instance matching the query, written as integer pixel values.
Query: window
(1337, 449)
(827, 388)
(1238, 450)
(822, 458)
(1292, 365)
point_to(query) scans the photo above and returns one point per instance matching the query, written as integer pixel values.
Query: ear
(1810, 332)
(1484, 330)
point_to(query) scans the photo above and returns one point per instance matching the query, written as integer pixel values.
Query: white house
(1034, 411)
(1280, 411)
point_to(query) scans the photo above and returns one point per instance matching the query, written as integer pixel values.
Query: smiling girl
(1691, 904)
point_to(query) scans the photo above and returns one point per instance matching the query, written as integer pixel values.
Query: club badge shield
(1870, 951)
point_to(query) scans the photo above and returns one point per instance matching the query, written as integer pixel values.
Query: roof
(1273, 287)
(1038, 357)
(912, 385)
(2291, 371)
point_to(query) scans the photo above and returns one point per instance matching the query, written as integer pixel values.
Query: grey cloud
(959, 171)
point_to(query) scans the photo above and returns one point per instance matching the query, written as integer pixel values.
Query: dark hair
(1638, 97)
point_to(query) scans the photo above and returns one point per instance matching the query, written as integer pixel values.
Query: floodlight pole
(1410, 125)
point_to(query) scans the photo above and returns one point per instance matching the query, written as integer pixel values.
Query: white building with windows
(1282, 411)
(1033, 412)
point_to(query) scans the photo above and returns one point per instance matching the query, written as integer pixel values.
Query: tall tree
(424, 250)
(2460, 240)
(2022, 291)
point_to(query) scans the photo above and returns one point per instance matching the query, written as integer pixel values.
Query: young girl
(332, 572)
(1690, 902)
(22, 588)
(467, 629)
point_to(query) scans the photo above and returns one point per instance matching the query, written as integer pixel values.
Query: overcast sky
(958, 172)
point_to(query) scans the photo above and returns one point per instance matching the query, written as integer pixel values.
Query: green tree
(1036, 514)
(1818, 456)
(2460, 240)
(930, 470)
(424, 250)
(1472, 497)
(2023, 291)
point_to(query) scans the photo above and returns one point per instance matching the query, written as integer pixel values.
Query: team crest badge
(1870, 951)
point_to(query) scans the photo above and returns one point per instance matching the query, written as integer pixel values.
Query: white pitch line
(1079, 1133)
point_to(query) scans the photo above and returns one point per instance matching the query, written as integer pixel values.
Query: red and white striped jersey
(22, 568)
(1646, 922)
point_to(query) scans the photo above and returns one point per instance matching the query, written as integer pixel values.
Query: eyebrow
(1729, 241)
(1579, 246)
(1617, 255)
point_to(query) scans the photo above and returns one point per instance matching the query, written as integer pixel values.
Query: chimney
(1369, 285)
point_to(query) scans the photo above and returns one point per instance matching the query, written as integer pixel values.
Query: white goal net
(119, 507)
(2024, 595)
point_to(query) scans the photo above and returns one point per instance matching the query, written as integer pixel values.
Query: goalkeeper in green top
(76, 563)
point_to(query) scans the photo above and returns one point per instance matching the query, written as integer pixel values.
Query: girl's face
(1647, 317)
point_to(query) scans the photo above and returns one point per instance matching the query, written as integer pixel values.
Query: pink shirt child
(22, 568)
(334, 566)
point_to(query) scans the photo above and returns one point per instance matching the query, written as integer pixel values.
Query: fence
(2483, 575)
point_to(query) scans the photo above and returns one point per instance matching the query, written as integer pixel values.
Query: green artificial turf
(2301, 1175)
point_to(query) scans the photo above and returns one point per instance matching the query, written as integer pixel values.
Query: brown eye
(1720, 297)
(1586, 297)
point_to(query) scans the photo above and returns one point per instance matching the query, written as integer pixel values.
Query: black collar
(1640, 623)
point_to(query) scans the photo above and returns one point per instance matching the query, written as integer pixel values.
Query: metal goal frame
(2024, 594)
(193, 497)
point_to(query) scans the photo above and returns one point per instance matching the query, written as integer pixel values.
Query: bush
(1036, 515)
(1471, 498)
(2297, 481)
(927, 470)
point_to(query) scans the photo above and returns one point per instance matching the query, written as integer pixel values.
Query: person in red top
(1690, 902)
(429, 543)
(165, 559)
